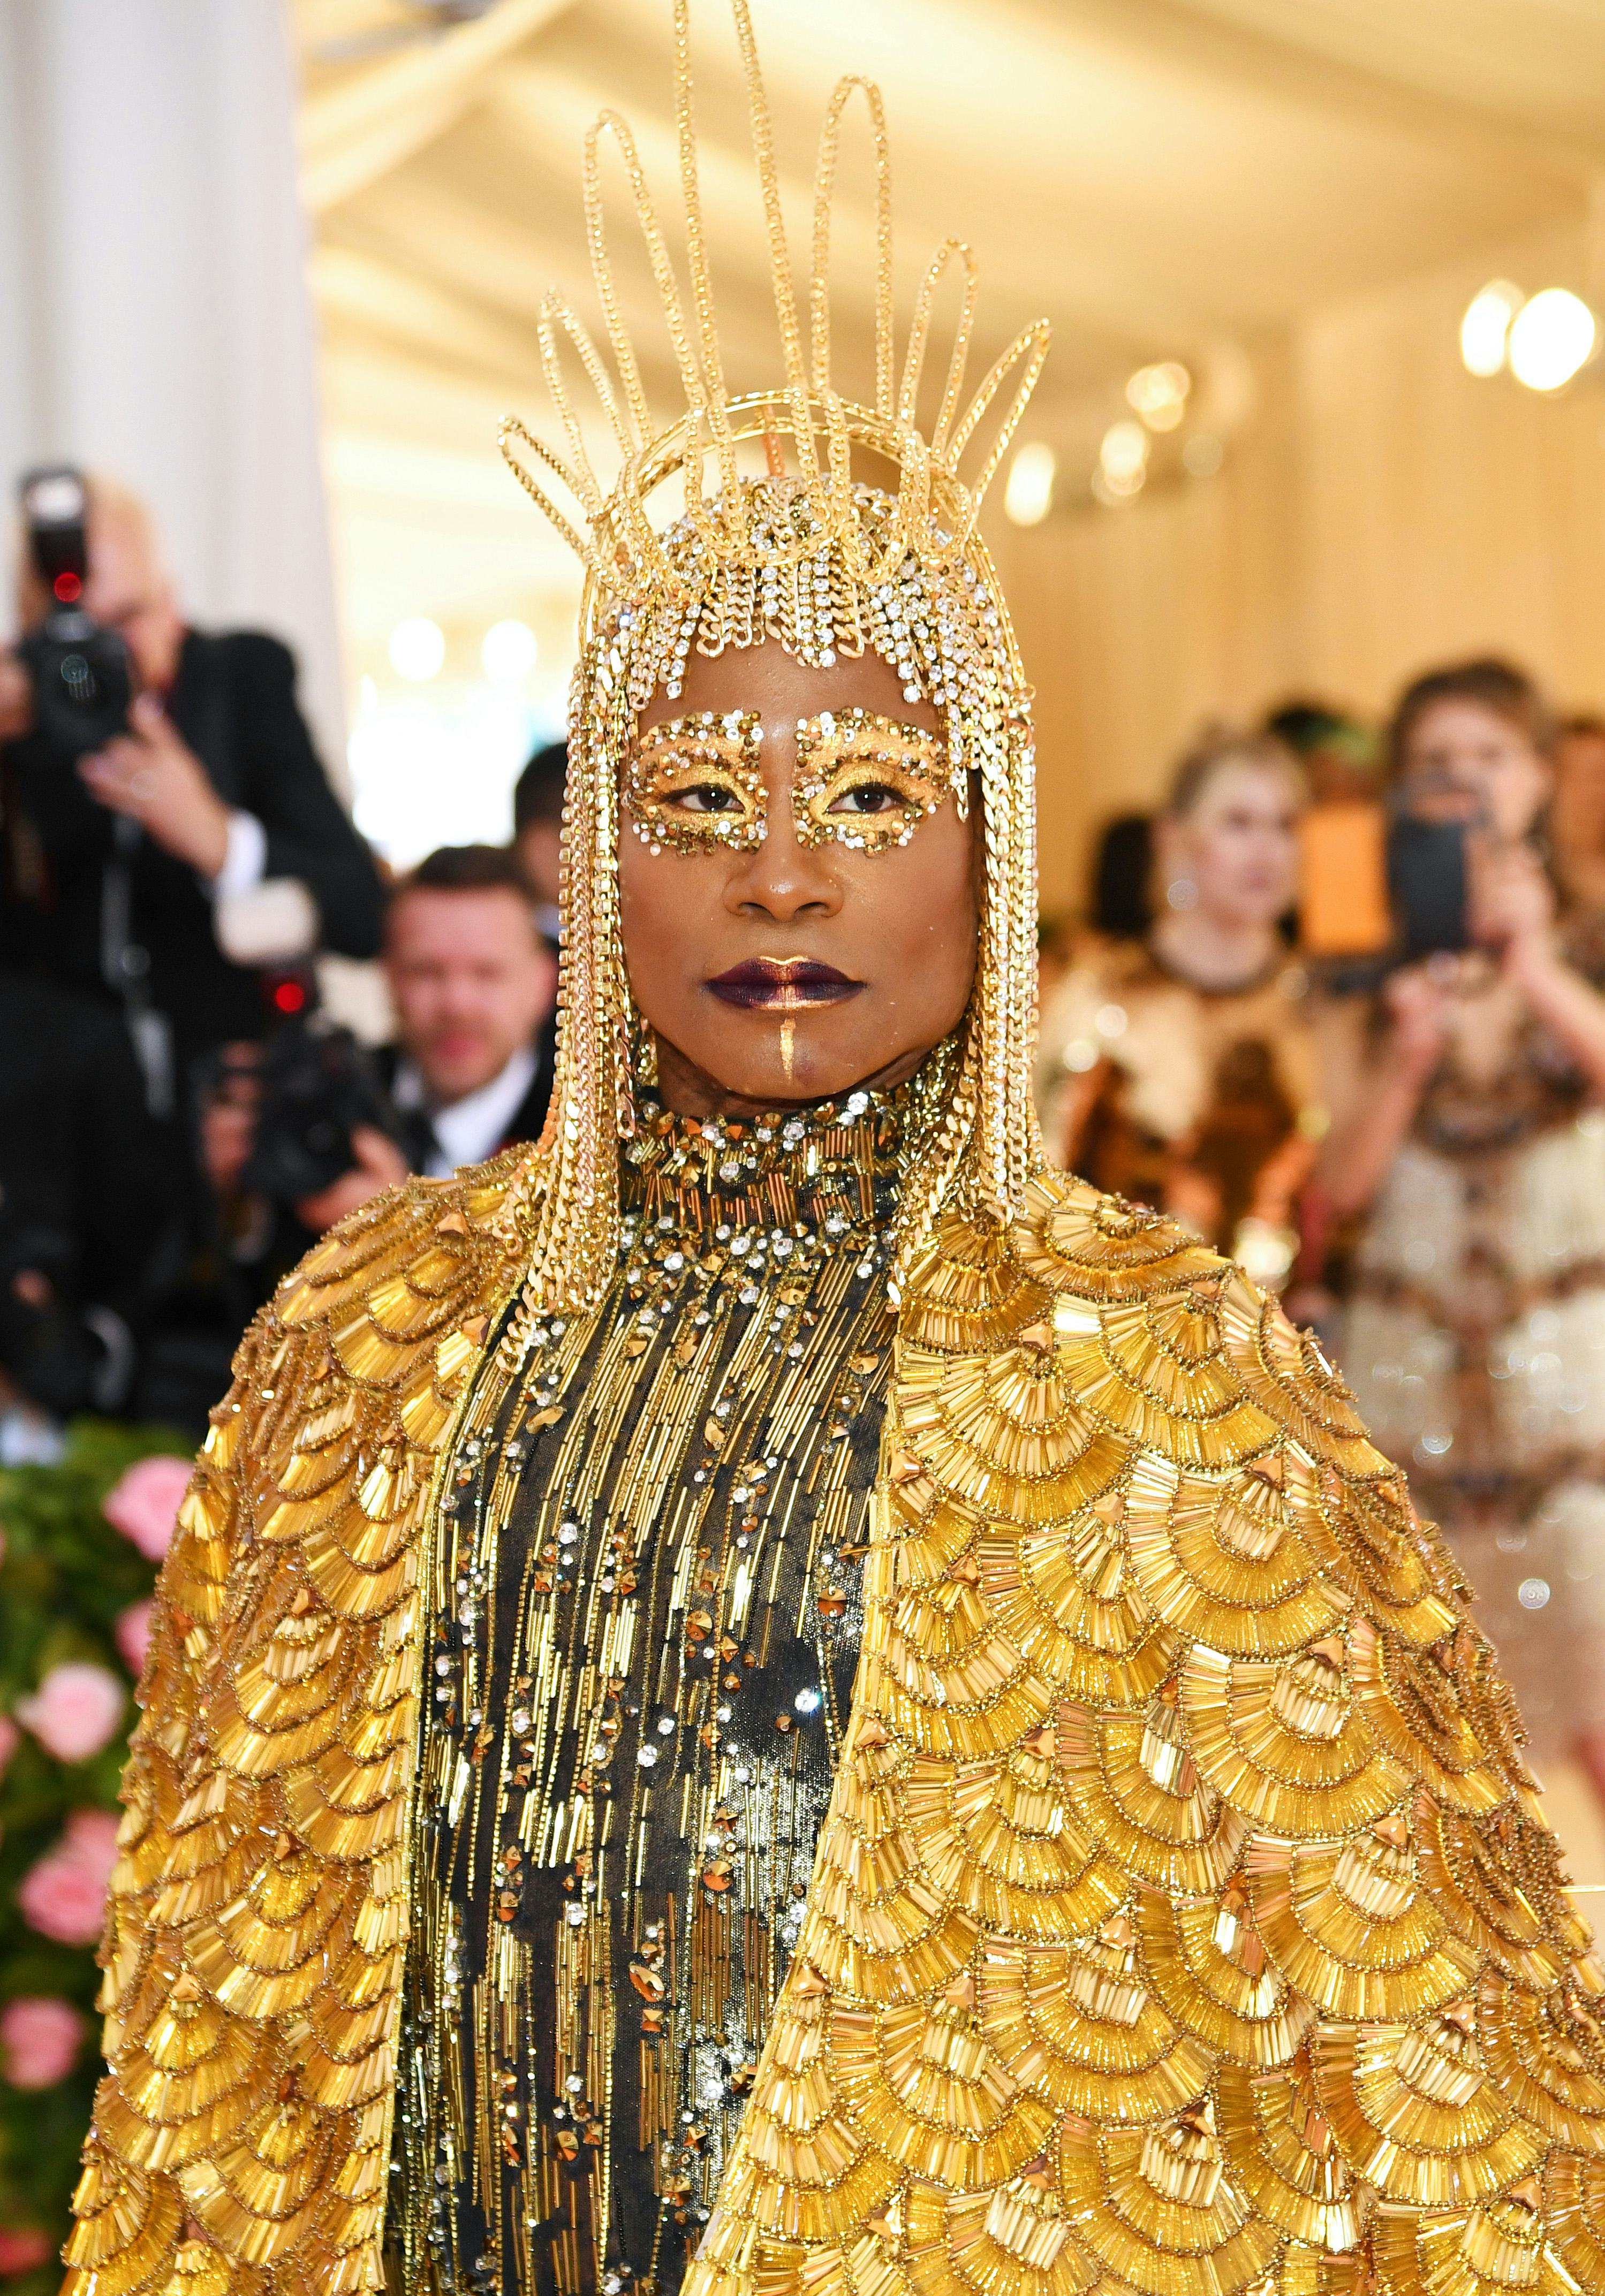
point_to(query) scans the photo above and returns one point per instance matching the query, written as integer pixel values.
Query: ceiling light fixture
(1159, 394)
(1486, 328)
(1028, 496)
(1551, 338)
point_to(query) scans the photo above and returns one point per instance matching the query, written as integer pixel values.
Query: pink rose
(40, 2037)
(143, 1503)
(133, 1633)
(21, 2247)
(64, 1893)
(75, 1710)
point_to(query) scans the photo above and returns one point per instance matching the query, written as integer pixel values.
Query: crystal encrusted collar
(821, 1168)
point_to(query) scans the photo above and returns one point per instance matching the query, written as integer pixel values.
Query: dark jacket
(415, 1137)
(234, 703)
(86, 1198)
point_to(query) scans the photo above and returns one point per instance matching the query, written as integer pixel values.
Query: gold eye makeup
(864, 780)
(693, 784)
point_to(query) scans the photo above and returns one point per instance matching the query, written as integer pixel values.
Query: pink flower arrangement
(40, 2037)
(64, 1893)
(21, 2247)
(143, 1503)
(75, 1710)
(133, 1632)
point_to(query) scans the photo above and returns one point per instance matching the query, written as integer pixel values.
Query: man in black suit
(202, 843)
(474, 984)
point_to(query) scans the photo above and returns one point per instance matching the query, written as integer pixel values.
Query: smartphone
(1370, 886)
(1427, 877)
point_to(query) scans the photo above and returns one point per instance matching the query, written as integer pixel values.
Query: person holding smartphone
(1467, 1161)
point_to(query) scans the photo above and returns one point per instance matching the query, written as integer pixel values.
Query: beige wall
(1383, 509)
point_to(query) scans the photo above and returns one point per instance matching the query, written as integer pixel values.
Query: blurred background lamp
(1203, 454)
(508, 653)
(417, 647)
(1123, 461)
(1159, 394)
(1028, 497)
(1486, 325)
(1551, 338)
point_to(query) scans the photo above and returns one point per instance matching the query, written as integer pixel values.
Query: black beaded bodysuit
(646, 1620)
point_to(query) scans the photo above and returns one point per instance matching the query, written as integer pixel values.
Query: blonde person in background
(1469, 1147)
(1181, 1070)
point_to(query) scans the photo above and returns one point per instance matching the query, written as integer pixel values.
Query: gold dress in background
(648, 1614)
(1205, 1103)
(1474, 1333)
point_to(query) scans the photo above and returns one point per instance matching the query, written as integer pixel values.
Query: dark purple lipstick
(783, 984)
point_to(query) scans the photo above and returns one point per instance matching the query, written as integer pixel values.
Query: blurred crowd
(181, 1115)
(1339, 1005)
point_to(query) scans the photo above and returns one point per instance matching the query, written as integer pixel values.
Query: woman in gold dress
(773, 1695)
(1182, 1069)
(1470, 1161)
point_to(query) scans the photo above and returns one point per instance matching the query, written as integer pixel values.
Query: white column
(155, 320)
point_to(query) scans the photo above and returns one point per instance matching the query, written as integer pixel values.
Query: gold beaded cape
(1183, 1923)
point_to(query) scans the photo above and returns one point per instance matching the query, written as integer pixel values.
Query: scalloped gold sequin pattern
(260, 1908)
(1242, 1965)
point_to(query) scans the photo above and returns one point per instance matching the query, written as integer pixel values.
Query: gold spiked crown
(744, 518)
(942, 477)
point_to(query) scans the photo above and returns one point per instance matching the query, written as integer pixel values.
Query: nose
(782, 879)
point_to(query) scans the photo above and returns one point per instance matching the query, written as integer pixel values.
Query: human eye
(693, 784)
(865, 780)
(869, 798)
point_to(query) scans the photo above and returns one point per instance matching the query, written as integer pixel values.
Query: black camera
(79, 670)
(318, 1083)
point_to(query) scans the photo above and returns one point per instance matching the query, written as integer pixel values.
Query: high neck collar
(832, 1162)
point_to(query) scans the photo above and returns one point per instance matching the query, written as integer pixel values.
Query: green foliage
(66, 1579)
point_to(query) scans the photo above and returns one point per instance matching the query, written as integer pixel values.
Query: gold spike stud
(187, 1988)
(870, 1734)
(1270, 1470)
(475, 1330)
(1117, 1931)
(1110, 1509)
(967, 1570)
(1331, 1648)
(1040, 1338)
(284, 1845)
(1038, 2174)
(1042, 1742)
(1528, 2193)
(1461, 2015)
(806, 1981)
(961, 1993)
(1394, 1829)
(906, 1468)
(302, 1603)
(454, 1224)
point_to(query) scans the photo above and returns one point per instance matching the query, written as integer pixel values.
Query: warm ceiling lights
(1028, 496)
(1486, 325)
(1543, 340)
(1159, 394)
(1122, 462)
(1551, 338)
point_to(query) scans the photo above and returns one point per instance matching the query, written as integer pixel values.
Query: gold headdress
(744, 519)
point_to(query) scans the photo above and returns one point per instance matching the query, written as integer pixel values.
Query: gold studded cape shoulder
(1182, 1921)
(259, 1916)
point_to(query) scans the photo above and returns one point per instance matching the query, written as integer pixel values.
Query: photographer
(197, 837)
(1468, 1158)
(474, 985)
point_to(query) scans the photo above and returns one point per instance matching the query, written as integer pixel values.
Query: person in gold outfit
(1184, 1070)
(773, 1695)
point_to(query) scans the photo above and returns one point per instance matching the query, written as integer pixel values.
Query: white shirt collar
(474, 1127)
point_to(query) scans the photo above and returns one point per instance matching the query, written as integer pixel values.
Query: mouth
(783, 984)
